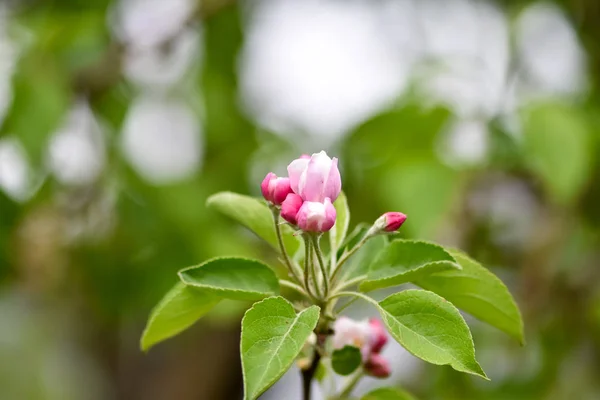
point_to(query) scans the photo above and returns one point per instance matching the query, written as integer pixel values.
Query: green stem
(351, 384)
(349, 283)
(345, 305)
(284, 253)
(319, 253)
(315, 275)
(355, 294)
(307, 256)
(349, 254)
(295, 287)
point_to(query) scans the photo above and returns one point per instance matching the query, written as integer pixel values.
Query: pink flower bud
(348, 332)
(290, 208)
(315, 179)
(389, 222)
(316, 217)
(275, 189)
(378, 335)
(378, 366)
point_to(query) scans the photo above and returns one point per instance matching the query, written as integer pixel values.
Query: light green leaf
(406, 261)
(272, 337)
(337, 234)
(388, 394)
(233, 278)
(360, 263)
(477, 291)
(255, 215)
(430, 328)
(344, 361)
(178, 310)
(558, 148)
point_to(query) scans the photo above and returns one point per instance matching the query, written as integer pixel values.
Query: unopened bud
(389, 222)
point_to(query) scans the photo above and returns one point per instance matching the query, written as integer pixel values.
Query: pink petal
(333, 185)
(290, 207)
(264, 186)
(280, 190)
(312, 187)
(295, 171)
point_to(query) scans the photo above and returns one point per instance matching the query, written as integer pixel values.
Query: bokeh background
(478, 119)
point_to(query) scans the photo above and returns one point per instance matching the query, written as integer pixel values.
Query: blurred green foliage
(73, 308)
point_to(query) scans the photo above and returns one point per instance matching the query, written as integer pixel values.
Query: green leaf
(255, 215)
(388, 394)
(558, 148)
(360, 263)
(430, 328)
(477, 291)
(233, 278)
(344, 361)
(406, 261)
(337, 234)
(272, 337)
(178, 310)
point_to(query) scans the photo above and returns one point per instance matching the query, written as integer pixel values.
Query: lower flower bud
(316, 217)
(378, 366)
(290, 208)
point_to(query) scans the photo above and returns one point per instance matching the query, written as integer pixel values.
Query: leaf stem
(315, 275)
(284, 253)
(347, 284)
(319, 253)
(351, 384)
(355, 294)
(347, 255)
(307, 255)
(295, 287)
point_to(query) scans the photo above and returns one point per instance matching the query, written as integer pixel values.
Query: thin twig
(284, 253)
(351, 282)
(295, 287)
(307, 255)
(347, 255)
(319, 253)
(351, 384)
(356, 294)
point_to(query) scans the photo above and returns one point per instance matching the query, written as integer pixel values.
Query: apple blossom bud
(378, 366)
(275, 189)
(348, 332)
(290, 208)
(316, 217)
(378, 335)
(315, 178)
(389, 222)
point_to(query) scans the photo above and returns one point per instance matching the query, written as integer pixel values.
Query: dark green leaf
(255, 215)
(477, 291)
(272, 337)
(178, 310)
(430, 328)
(344, 361)
(388, 394)
(233, 278)
(406, 261)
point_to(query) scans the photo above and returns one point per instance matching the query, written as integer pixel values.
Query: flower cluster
(370, 337)
(306, 197)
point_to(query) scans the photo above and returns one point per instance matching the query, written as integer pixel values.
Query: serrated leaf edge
(385, 315)
(275, 379)
(217, 289)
